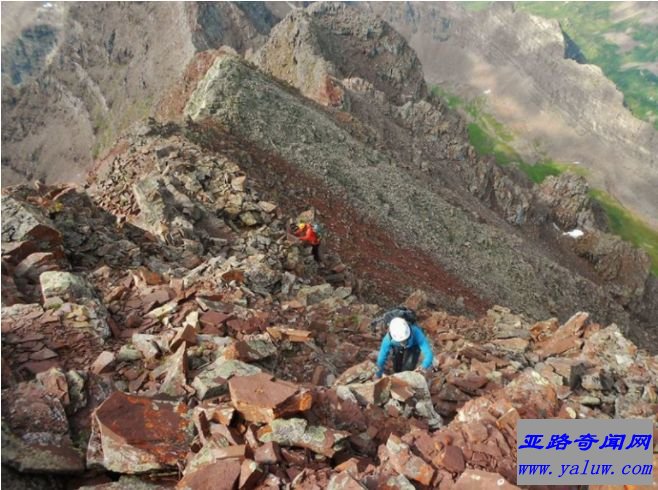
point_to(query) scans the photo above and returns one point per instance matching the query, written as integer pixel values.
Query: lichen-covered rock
(297, 432)
(213, 380)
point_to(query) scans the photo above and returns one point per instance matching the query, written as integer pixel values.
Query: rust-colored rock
(407, 463)
(261, 398)
(133, 434)
(186, 334)
(250, 474)
(268, 453)
(344, 481)
(451, 458)
(251, 350)
(290, 334)
(223, 475)
(104, 363)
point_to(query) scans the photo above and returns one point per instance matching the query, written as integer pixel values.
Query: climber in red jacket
(307, 234)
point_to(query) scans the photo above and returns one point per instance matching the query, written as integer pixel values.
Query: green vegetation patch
(540, 170)
(489, 137)
(487, 144)
(632, 229)
(592, 27)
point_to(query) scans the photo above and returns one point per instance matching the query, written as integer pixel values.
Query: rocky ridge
(161, 329)
(411, 163)
(221, 357)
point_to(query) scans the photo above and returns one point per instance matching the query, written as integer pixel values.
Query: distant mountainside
(520, 66)
(75, 75)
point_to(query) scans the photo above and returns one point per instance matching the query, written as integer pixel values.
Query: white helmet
(399, 329)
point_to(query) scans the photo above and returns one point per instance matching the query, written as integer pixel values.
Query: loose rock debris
(219, 357)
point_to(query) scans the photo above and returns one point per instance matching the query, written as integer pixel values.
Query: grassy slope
(587, 23)
(489, 137)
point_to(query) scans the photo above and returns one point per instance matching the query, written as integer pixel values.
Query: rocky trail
(162, 330)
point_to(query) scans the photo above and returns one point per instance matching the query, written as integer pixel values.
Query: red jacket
(307, 234)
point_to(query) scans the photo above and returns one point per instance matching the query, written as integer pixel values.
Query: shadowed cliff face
(520, 63)
(75, 75)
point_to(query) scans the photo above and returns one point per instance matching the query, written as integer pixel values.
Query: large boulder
(133, 434)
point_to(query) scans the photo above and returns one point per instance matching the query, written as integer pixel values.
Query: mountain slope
(424, 185)
(105, 66)
(557, 107)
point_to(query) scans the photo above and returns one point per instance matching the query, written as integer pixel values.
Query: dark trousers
(316, 252)
(405, 359)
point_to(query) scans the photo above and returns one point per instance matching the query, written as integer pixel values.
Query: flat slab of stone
(134, 434)
(213, 380)
(261, 398)
(223, 475)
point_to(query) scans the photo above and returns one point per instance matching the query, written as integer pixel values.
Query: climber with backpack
(309, 234)
(406, 340)
(385, 319)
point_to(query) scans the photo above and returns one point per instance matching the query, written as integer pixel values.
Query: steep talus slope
(103, 66)
(205, 346)
(571, 109)
(473, 242)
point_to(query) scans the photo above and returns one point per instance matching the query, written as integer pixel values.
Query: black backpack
(399, 312)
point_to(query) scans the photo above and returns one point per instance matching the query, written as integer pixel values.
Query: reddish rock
(532, 395)
(37, 263)
(319, 376)
(148, 277)
(261, 398)
(358, 373)
(186, 334)
(557, 345)
(35, 367)
(344, 481)
(400, 390)
(451, 458)
(213, 320)
(468, 383)
(250, 474)
(354, 465)
(35, 432)
(251, 350)
(223, 475)
(482, 480)
(14, 252)
(43, 355)
(268, 453)
(7, 375)
(542, 330)
(289, 334)
(104, 363)
(133, 434)
(475, 431)
(55, 383)
(407, 463)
